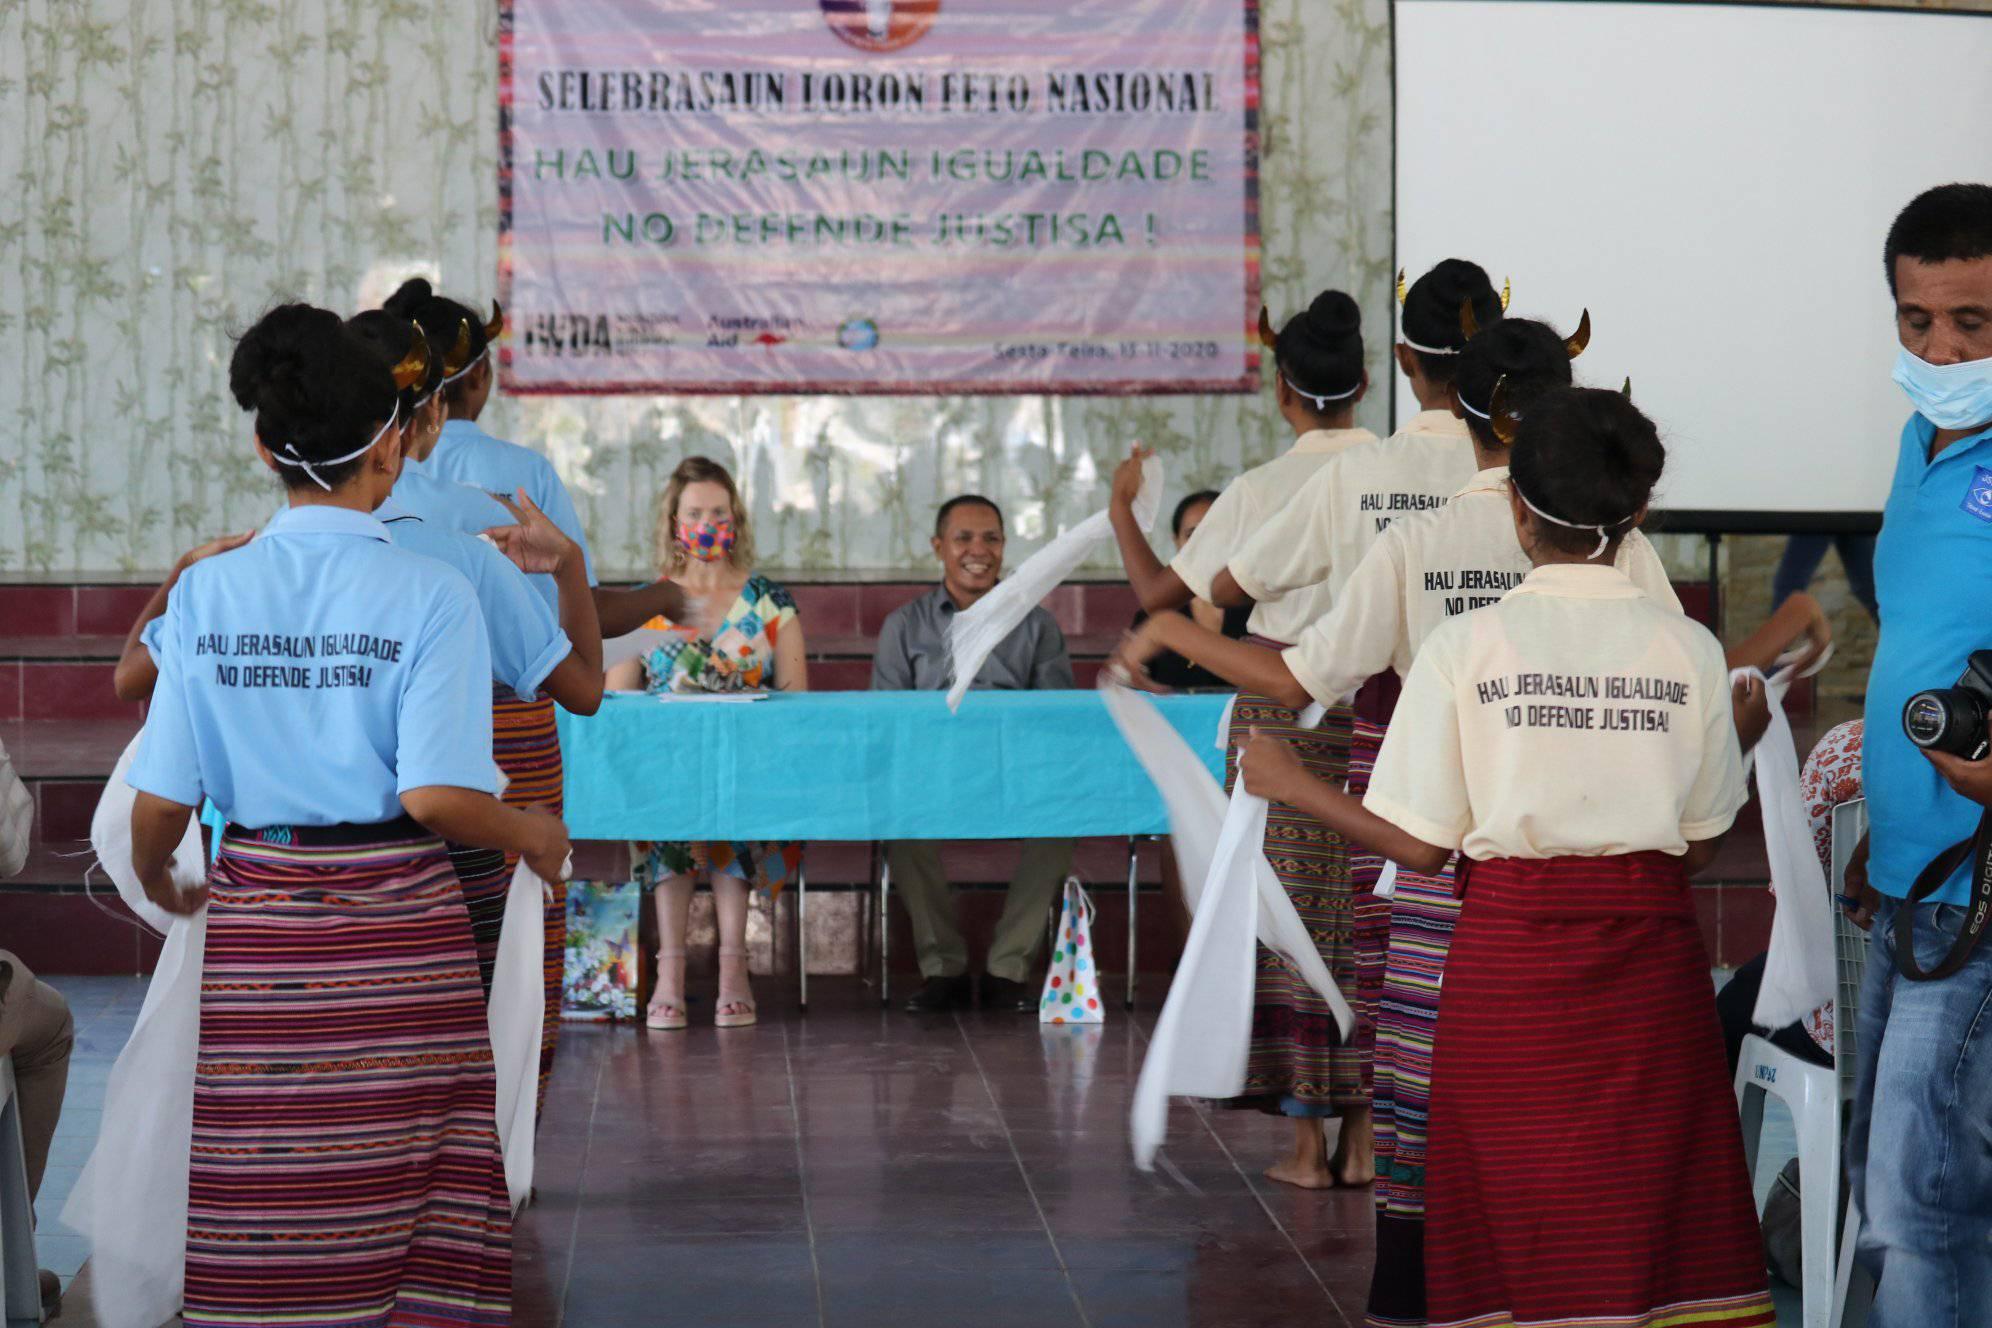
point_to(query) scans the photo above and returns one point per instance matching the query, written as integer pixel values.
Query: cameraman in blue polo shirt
(1920, 1147)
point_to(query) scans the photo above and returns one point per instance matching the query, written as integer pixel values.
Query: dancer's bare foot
(1307, 1165)
(1354, 1163)
(1291, 1171)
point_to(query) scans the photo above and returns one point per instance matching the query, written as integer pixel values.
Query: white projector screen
(1714, 182)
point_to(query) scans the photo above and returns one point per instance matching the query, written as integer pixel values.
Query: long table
(863, 766)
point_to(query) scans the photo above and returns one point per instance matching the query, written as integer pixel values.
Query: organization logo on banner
(880, 25)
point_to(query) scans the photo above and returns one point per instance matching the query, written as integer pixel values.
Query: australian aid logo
(880, 25)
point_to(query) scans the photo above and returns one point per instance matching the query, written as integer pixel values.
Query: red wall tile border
(61, 690)
(38, 611)
(109, 610)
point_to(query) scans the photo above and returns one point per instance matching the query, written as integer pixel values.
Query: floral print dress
(738, 657)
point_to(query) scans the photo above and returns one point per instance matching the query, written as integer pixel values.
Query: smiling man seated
(913, 656)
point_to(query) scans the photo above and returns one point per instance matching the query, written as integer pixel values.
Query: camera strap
(1978, 911)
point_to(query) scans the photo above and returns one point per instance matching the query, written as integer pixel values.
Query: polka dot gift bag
(1072, 987)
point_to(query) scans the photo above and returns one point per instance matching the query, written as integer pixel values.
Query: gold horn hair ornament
(496, 326)
(457, 358)
(414, 366)
(1502, 417)
(1267, 336)
(1402, 290)
(1626, 391)
(1581, 338)
(1468, 324)
(1507, 291)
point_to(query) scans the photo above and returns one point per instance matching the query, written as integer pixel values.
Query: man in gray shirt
(913, 656)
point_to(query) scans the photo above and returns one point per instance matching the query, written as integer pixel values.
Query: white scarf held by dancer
(979, 629)
(1800, 971)
(1202, 1038)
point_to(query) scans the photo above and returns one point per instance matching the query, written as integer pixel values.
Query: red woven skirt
(345, 1165)
(1299, 1062)
(525, 741)
(1586, 1162)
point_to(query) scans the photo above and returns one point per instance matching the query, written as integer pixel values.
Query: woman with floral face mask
(739, 633)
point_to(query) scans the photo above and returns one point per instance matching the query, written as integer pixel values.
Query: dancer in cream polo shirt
(1320, 383)
(1575, 743)
(1401, 940)
(1298, 1064)
(1319, 536)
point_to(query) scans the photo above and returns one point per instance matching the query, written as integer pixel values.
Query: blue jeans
(1919, 1151)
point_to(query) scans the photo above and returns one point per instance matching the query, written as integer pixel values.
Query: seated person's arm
(1051, 666)
(892, 665)
(792, 658)
(623, 611)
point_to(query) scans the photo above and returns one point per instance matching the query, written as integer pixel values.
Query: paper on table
(1800, 970)
(979, 629)
(1200, 1042)
(733, 697)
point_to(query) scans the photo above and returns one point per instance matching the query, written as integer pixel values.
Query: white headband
(475, 361)
(1405, 337)
(306, 466)
(1470, 409)
(1320, 402)
(1604, 532)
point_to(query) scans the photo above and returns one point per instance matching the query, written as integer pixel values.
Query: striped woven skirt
(525, 741)
(1421, 917)
(1299, 1063)
(345, 1166)
(1372, 915)
(1586, 1161)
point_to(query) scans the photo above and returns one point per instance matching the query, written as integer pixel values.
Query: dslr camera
(1952, 719)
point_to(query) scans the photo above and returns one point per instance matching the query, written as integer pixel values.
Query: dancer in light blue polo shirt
(331, 693)
(1919, 1154)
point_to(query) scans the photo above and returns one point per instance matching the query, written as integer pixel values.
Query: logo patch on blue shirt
(1978, 498)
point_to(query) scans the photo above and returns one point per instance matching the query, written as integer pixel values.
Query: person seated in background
(36, 1028)
(1170, 669)
(739, 632)
(913, 655)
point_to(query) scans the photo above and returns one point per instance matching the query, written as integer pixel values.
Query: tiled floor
(871, 1168)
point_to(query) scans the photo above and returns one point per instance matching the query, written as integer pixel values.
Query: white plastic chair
(20, 1284)
(1816, 1097)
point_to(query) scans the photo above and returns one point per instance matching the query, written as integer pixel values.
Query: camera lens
(1925, 718)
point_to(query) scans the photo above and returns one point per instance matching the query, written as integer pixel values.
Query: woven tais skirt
(525, 741)
(1299, 1063)
(345, 1166)
(1586, 1160)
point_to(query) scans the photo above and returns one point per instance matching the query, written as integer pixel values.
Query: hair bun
(412, 294)
(1333, 317)
(274, 357)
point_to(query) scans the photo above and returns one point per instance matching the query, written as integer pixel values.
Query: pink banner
(880, 196)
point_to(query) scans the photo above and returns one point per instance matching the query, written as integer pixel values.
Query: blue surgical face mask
(1950, 396)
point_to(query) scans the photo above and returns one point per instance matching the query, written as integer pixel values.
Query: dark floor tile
(1199, 1297)
(930, 1252)
(965, 1295)
(638, 1213)
(896, 1215)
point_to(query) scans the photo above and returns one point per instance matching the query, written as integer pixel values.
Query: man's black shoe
(1003, 994)
(939, 995)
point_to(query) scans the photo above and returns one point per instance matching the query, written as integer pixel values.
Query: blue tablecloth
(867, 765)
